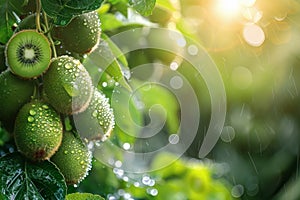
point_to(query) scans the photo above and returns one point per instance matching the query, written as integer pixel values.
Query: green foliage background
(257, 156)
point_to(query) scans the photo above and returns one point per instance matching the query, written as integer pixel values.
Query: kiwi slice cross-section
(28, 53)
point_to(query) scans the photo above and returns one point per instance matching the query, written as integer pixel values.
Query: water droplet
(82, 162)
(30, 119)
(65, 152)
(95, 113)
(68, 65)
(45, 106)
(71, 89)
(237, 191)
(32, 112)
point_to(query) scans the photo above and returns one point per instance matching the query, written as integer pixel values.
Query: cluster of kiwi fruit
(43, 83)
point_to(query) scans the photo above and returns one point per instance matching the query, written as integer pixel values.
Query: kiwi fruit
(15, 92)
(28, 53)
(72, 158)
(27, 23)
(83, 196)
(97, 121)
(67, 85)
(38, 130)
(81, 35)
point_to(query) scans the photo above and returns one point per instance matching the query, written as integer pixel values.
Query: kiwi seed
(28, 53)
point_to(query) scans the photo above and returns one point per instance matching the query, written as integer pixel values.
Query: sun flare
(228, 8)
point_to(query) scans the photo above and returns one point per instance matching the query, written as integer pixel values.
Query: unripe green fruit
(81, 35)
(14, 93)
(68, 85)
(97, 121)
(27, 23)
(72, 158)
(38, 131)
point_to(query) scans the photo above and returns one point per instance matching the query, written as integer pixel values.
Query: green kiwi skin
(67, 85)
(97, 121)
(15, 92)
(27, 23)
(81, 35)
(26, 71)
(38, 131)
(72, 158)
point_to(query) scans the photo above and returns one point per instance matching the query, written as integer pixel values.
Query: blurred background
(255, 45)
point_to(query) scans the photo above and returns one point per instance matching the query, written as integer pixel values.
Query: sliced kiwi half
(28, 53)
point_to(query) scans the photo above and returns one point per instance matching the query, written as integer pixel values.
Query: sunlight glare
(228, 8)
(254, 35)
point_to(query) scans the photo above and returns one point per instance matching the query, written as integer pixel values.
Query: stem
(49, 34)
(36, 92)
(37, 18)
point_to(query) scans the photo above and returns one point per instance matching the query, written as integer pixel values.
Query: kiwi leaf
(22, 179)
(63, 11)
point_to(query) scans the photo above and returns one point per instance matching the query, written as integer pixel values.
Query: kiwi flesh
(15, 92)
(97, 121)
(28, 53)
(73, 158)
(81, 35)
(68, 85)
(38, 130)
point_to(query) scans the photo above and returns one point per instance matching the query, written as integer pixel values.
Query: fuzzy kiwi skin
(97, 121)
(27, 23)
(81, 35)
(72, 158)
(38, 130)
(12, 53)
(67, 85)
(14, 93)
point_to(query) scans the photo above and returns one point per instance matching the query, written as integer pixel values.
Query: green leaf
(115, 50)
(104, 59)
(22, 179)
(83, 196)
(144, 7)
(8, 14)
(167, 5)
(149, 94)
(109, 22)
(64, 10)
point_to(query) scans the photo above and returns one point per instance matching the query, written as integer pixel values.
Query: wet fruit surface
(68, 85)
(73, 159)
(38, 131)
